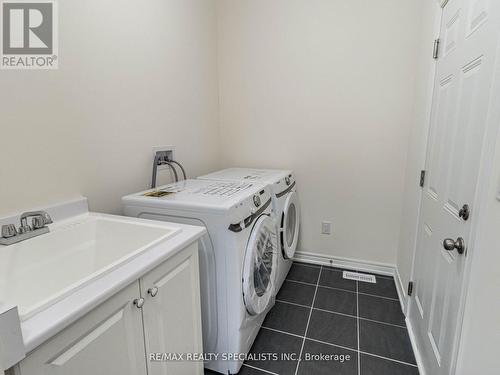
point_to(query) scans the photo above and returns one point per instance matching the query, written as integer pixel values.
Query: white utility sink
(39, 272)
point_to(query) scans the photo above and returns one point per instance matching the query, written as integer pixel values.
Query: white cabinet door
(172, 317)
(107, 341)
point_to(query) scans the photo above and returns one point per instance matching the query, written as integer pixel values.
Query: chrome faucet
(39, 221)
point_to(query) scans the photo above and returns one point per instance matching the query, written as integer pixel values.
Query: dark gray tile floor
(335, 326)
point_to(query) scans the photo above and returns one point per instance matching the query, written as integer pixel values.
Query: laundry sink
(41, 271)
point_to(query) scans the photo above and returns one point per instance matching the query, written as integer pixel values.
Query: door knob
(450, 245)
(153, 291)
(139, 302)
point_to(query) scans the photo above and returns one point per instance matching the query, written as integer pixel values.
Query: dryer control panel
(251, 209)
(284, 185)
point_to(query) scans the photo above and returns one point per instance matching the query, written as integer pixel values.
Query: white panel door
(468, 58)
(107, 341)
(172, 313)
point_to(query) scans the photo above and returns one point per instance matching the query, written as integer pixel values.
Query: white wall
(333, 80)
(430, 16)
(132, 75)
(326, 88)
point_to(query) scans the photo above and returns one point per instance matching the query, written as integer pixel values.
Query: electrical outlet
(169, 150)
(326, 227)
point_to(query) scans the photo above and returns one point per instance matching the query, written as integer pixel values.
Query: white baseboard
(413, 341)
(347, 263)
(403, 299)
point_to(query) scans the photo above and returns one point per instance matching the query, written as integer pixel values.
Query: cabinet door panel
(107, 341)
(172, 318)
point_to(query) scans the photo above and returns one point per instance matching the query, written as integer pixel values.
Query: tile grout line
(341, 289)
(343, 314)
(388, 359)
(310, 339)
(260, 369)
(384, 323)
(293, 303)
(308, 321)
(361, 318)
(334, 345)
(357, 326)
(284, 332)
(340, 346)
(377, 296)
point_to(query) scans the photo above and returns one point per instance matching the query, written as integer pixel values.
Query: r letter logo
(29, 34)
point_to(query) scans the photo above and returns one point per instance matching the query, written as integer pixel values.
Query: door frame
(492, 131)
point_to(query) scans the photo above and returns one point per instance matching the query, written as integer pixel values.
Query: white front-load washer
(286, 208)
(238, 257)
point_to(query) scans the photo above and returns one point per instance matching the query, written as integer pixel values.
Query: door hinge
(410, 288)
(422, 178)
(435, 51)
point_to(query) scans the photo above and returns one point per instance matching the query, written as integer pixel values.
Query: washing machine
(238, 257)
(286, 208)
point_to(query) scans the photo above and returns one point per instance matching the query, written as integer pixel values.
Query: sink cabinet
(172, 317)
(159, 313)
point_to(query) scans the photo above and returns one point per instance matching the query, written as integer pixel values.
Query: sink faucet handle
(41, 220)
(47, 218)
(38, 222)
(9, 231)
(43, 217)
(25, 228)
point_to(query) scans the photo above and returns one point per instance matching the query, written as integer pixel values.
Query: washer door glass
(290, 225)
(259, 270)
